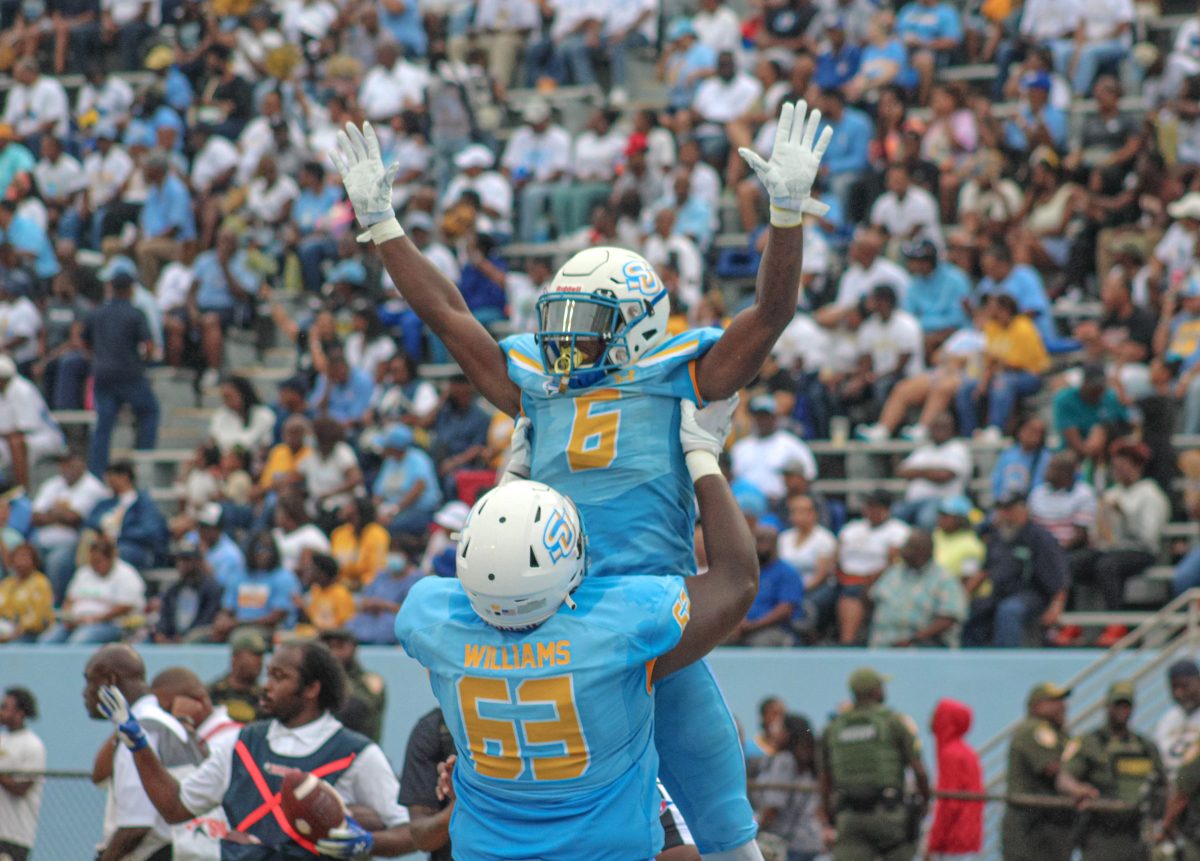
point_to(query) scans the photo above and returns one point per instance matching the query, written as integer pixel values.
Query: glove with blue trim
(349, 841)
(795, 160)
(114, 707)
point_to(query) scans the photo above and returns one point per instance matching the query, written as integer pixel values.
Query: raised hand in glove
(349, 841)
(368, 183)
(795, 159)
(520, 451)
(114, 707)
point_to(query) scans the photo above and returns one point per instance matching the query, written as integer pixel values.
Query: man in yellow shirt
(26, 598)
(1014, 359)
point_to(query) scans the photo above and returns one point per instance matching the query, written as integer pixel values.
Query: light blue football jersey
(613, 447)
(554, 726)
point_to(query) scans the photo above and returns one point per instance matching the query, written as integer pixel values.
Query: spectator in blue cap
(686, 61)
(936, 293)
(406, 490)
(957, 547)
(1036, 122)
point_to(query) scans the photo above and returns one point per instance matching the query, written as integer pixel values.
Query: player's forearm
(123, 842)
(738, 355)
(431, 833)
(161, 788)
(393, 842)
(728, 544)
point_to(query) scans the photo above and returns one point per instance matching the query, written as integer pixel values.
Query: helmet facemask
(585, 334)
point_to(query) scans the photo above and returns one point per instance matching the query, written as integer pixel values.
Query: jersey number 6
(486, 736)
(593, 443)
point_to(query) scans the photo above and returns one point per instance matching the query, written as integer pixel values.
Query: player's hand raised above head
(795, 159)
(114, 707)
(368, 183)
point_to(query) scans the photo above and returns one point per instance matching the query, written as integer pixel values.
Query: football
(312, 806)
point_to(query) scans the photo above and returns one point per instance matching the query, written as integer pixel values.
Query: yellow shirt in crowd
(329, 607)
(360, 556)
(28, 603)
(1017, 345)
(281, 461)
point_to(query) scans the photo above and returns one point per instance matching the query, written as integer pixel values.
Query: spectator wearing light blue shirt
(846, 160)
(936, 293)
(406, 490)
(342, 393)
(1037, 121)
(311, 218)
(932, 32)
(689, 61)
(402, 20)
(166, 219)
(262, 595)
(29, 240)
(15, 158)
(222, 553)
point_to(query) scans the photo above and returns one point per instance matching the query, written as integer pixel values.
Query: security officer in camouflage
(239, 689)
(867, 749)
(1034, 760)
(1115, 763)
(366, 694)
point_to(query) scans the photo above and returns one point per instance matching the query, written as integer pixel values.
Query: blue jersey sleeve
(657, 609)
(671, 368)
(425, 609)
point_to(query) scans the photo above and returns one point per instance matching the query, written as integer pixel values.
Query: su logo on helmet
(559, 536)
(639, 278)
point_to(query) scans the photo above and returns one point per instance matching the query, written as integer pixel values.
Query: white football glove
(114, 707)
(520, 452)
(795, 159)
(706, 429)
(368, 184)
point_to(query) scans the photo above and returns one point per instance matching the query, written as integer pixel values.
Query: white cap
(8, 368)
(536, 111)
(476, 155)
(1187, 206)
(452, 516)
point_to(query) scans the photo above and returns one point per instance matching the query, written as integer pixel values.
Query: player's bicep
(712, 612)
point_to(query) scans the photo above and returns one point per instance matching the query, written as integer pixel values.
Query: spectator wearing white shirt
(1102, 32)
(424, 235)
(867, 270)
(866, 548)
(392, 86)
(29, 434)
(718, 26)
(20, 794)
(628, 26)
(108, 94)
(595, 154)
(260, 135)
(663, 244)
(58, 176)
(270, 196)
(501, 27)
(294, 536)
(811, 549)
(20, 323)
(100, 594)
(494, 189)
(60, 507)
(1064, 505)
(723, 98)
(1184, 60)
(37, 104)
(106, 169)
(759, 459)
(906, 212)
(936, 471)
(536, 160)
(891, 344)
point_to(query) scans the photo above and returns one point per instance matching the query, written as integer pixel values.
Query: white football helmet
(520, 554)
(604, 310)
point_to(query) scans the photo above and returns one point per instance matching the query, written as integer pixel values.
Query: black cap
(879, 496)
(1094, 372)
(920, 249)
(338, 634)
(1183, 669)
(1011, 497)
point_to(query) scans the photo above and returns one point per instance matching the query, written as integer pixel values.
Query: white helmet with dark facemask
(604, 310)
(521, 553)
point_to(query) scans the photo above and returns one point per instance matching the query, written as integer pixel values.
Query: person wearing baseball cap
(239, 689)
(1178, 730)
(1115, 763)
(867, 749)
(1034, 759)
(1036, 112)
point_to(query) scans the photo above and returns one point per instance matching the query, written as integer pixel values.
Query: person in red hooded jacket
(957, 830)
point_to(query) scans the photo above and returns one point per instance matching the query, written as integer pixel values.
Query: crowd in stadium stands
(1005, 282)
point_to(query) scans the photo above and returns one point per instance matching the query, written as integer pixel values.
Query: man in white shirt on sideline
(141, 832)
(536, 160)
(1179, 729)
(935, 471)
(60, 507)
(305, 683)
(905, 211)
(761, 457)
(20, 797)
(29, 432)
